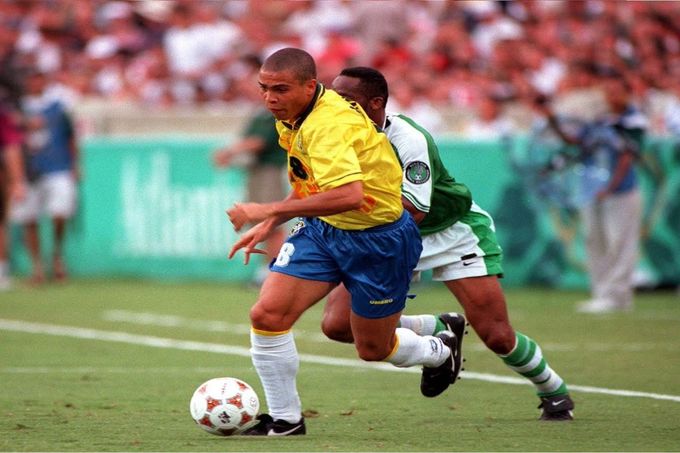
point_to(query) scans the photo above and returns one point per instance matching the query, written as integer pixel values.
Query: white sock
(420, 324)
(412, 349)
(276, 360)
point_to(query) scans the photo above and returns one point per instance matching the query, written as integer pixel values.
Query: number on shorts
(287, 250)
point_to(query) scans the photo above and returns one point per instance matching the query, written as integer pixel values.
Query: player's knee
(336, 331)
(263, 319)
(500, 340)
(372, 352)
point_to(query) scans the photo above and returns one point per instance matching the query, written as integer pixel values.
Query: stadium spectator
(412, 102)
(340, 50)
(319, 23)
(463, 45)
(489, 123)
(672, 114)
(491, 26)
(12, 179)
(459, 246)
(613, 220)
(377, 22)
(51, 158)
(354, 230)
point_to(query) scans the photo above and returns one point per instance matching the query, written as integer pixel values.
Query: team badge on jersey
(300, 224)
(417, 172)
(298, 142)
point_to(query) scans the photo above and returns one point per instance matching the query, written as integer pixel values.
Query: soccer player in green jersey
(459, 246)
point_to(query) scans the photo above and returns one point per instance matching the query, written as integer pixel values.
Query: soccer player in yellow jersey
(346, 183)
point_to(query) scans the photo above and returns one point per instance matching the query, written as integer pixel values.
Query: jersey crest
(299, 225)
(417, 172)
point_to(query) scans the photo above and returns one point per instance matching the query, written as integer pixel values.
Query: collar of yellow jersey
(320, 90)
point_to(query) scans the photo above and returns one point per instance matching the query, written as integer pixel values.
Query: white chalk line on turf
(204, 325)
(108, 370)
(170, 343)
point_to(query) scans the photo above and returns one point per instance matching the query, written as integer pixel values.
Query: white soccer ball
(224, 406)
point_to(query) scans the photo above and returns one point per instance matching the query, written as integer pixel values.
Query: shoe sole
(565, 417)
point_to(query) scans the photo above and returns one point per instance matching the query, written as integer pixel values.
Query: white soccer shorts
(53, 194)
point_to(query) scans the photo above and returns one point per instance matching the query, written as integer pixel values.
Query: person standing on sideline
(459, 246)
(12, 182)
(613, 221)
(266, 163)
(51, 161)
(353, 230)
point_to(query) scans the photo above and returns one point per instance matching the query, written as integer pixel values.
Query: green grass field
(111, 365)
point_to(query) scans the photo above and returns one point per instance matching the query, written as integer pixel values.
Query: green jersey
(263, 125)
(426, 182)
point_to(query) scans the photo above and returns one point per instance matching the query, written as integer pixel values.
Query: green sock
(439, 326)
(526, 359)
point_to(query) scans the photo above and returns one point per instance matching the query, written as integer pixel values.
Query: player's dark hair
(373, 83)
(293, 59)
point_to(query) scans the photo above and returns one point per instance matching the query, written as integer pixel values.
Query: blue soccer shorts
(375, 264)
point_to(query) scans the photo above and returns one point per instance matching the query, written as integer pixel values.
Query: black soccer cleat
(557, 408)
(267, 426)
(435, 380)
(456, 323)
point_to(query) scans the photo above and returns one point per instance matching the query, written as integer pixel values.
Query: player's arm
(73, 147)
(626, 160)
(257, 234)
(333, 201)
(13, 157)
(622, 167)
(14, 162)
(412, 150)
(417, 214)
(541, 105)
(250, 145)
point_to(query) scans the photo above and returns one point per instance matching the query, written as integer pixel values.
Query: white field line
(106, 369)
(170, 343)
(202, 325)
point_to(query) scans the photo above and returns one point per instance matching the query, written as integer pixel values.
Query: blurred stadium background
(108, 361)
(155, 86)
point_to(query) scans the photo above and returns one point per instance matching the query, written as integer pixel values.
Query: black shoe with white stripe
(435, 380)
(267, 426)
(557, 408)
(456, 324)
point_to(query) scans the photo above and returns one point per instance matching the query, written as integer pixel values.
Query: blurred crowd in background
(477, 56)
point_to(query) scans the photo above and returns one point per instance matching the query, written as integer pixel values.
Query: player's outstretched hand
(250, 239)
(242, 214)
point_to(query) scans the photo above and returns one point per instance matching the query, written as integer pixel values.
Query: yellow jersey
(334, 143)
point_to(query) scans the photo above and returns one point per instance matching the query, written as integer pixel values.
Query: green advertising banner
(155, 208)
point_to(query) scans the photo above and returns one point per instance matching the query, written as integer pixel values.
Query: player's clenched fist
(242, 214)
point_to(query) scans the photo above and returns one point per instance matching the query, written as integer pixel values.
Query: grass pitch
(111, 365)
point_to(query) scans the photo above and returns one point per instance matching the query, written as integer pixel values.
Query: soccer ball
(224, 406)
